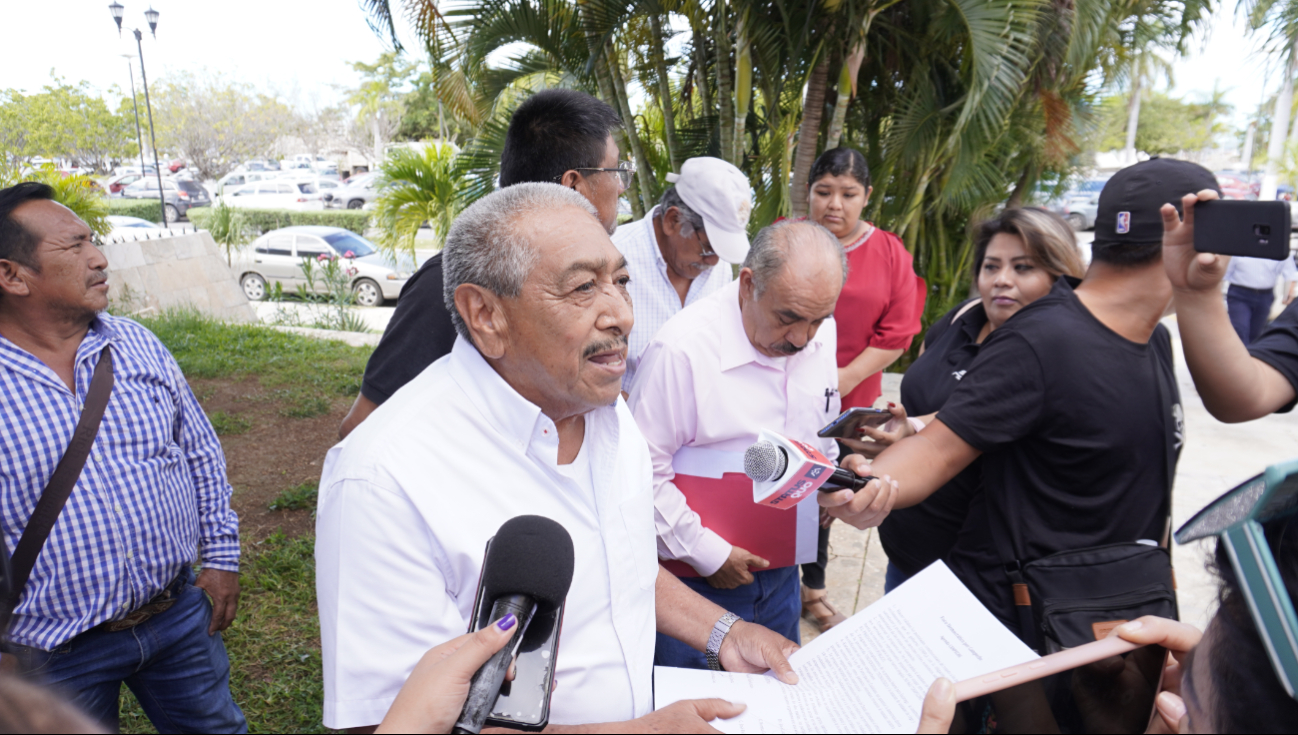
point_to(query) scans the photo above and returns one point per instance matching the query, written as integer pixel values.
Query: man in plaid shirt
(112, 597)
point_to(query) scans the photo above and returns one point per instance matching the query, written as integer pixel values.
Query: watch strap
(719, 633)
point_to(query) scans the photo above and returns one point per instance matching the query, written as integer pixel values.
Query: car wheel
(172, 214)
(254, 287)
(368, 293)
(356, 204)
(1077, 221)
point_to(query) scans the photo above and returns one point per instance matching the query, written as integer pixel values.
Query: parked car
(129, 227)
(239, 177)
(175, 165)
(146, 169)
(115, 184)
(180, 196)
(356, 193)
(1237, 186)
(1080, 205)
(273, 194)
(276, 257)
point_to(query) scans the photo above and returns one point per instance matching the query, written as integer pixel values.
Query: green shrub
(228, 424)
(145, 209)
(296, 498)
(265, 220)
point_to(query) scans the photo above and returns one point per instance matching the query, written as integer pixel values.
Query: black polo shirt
(1073, 420)
(917, 536)
(419, 334)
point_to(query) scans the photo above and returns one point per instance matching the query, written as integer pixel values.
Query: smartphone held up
(1243, 228)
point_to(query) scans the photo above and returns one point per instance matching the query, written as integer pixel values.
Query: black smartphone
(524, 703)
(1235, 227)
(847, 423)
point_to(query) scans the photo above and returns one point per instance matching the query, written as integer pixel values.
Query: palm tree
(419, 188)
(1278, 20)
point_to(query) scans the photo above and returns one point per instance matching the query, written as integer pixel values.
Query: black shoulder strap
(65, 477)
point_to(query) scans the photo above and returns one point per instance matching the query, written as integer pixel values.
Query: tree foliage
(65, 121)
(1168, 124)
(215, 123)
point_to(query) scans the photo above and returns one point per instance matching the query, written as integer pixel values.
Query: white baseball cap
(719, 193)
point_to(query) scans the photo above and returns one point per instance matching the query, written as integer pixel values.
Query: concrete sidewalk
(1215, 458)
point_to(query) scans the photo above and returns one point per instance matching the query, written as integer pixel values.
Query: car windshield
(1092, 186)
(189, 186)
(307, 188)
(344, 241)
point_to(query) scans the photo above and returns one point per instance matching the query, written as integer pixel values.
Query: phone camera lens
(1261, 230)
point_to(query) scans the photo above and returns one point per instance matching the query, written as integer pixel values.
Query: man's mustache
(98, 278)
(605, 346)
(788, 348)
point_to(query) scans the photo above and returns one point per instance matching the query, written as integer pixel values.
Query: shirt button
(130, 555)
(117, 509)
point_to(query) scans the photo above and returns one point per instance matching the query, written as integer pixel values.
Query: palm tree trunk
(846, 91)
(664, 90)
(724, 82)
(1133, 118)
(644, 173)
(1020, 189)
(813, 110)
(743, 85)
(701, 71)
(1279, 126)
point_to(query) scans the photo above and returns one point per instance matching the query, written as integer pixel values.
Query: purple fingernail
(507, 622)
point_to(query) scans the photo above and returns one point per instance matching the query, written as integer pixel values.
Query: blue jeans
(1249, 309)
(772, 599)
(179, 673)
(892, 578)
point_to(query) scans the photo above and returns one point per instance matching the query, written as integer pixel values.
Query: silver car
(356, 193)
(276, 257)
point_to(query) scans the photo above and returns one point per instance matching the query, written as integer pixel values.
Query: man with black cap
(1073, 402)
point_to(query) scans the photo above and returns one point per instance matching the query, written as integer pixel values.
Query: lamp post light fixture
(151, 16)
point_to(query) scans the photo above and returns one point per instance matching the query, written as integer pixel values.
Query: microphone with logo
(785, 471)
(526, 570)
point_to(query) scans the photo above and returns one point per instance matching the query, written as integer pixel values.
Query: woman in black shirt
(1017, 258)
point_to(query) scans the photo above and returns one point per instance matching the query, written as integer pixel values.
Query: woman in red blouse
(877, 313)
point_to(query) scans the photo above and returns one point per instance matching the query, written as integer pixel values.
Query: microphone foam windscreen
(764, 461)
(530, 555)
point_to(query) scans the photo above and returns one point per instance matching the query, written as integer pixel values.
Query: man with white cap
(672, 252)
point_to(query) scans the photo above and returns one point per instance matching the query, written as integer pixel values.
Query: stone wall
(176, 271)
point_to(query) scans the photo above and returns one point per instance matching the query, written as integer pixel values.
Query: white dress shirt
(1257, 273)
(653, 297)
(703, 394)
(407, 504)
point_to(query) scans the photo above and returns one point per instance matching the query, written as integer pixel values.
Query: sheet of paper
(870, 673)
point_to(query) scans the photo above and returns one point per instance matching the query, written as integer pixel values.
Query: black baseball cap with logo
(1128, 211)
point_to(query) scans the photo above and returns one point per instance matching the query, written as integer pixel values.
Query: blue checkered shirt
(153, 495)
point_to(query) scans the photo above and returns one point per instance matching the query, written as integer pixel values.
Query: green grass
(274, 643)
(228, 424)
(312, 368)
(296, 498)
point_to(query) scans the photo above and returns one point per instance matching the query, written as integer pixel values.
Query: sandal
(817, 610)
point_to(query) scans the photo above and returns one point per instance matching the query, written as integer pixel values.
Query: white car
(277, 256)
(239, 177)
(130, 228)
(274, 194)
(356, 193)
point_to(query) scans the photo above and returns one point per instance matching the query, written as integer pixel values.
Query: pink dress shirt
(702, 394)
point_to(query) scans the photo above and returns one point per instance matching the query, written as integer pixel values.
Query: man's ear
(747, 287)
(13, 278)
(572, 180)
(672, 222)
(869, 191)
(482, 313)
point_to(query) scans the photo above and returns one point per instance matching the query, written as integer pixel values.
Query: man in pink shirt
(757, 354)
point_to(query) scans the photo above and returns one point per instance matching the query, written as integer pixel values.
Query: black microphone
(527, 569)
(764, 462)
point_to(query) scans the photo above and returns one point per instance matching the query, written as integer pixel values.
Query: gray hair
(690, 220)
(770, 249)
(486, 245)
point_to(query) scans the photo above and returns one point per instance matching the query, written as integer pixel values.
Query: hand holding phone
(849, 423)
(1248, 229)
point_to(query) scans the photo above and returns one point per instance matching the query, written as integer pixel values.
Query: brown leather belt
(159, 604)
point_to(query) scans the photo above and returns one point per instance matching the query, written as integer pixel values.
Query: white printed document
(868, 674)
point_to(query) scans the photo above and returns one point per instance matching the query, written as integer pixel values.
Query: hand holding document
(870, 673)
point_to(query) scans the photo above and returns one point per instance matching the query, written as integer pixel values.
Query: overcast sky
(300, 48)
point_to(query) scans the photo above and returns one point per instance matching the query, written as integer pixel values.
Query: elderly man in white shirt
(758, 354)
(674, 251)
(523, 417)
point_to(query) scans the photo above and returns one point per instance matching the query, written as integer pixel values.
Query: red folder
(726, 506)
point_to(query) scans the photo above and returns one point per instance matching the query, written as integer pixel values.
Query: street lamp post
(135, 105)
(151, 16)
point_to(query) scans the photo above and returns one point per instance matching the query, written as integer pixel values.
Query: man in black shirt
(1072, 402)
(1237, 383)
(557, 135)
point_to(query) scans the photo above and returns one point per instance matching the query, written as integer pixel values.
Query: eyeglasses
(1237, 518)
(625, 173)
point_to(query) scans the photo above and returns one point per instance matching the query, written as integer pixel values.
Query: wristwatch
(719, 633)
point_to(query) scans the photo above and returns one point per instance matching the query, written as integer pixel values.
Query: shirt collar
(736, 348)
(100, 334)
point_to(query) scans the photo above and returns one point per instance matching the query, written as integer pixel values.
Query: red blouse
(880, 306)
